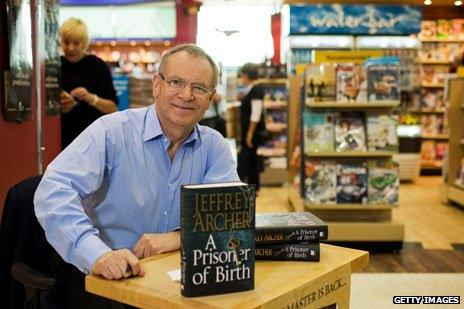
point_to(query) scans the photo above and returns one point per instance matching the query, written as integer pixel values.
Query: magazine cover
(383, 183)
(320, 82)
(383, 82)
(351, 183)
(320, 182)
(350, 132)
(351, 83)
(318, 131)
(432, 100)
(381, 133)
(429, 123)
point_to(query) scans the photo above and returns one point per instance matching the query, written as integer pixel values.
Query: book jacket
(309, 252)
(217, 238)
(292, 227)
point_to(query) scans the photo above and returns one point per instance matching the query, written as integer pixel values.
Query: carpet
(377, 290)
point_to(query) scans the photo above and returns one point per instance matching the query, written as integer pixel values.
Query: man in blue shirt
(112, 197)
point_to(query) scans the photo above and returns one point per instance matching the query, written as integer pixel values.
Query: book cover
(350, 83)
(320, 182)
(383, 183)
(217, 238)
(351, 184)
(350, 132)
(291, 227)
(381, 133)
(318, 131)
(320, 82)
(309, 252)
(383, 82)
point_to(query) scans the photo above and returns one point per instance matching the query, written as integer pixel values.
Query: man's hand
(151, 244)
(117, 264)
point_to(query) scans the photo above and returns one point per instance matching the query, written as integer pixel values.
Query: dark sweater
(93, 74)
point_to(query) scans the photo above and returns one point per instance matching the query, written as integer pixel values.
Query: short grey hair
(190, 49)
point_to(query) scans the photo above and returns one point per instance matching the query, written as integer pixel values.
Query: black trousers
(249, 165)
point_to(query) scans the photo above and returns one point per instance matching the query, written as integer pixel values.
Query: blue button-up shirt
(116, 182)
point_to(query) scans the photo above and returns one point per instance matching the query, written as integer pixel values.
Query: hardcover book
(318, 131)
(292, 227)
(383, 183)
(217, 238)
(381, 133)
(320, 182)
(351, 184)
(350, 132)
(309, 252)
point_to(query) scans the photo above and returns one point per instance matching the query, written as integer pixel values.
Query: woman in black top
(86, 83)
(252, 123)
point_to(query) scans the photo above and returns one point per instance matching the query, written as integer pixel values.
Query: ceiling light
(458, 3)
(427, 2)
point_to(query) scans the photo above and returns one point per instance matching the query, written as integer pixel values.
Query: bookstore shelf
(275, 104)
(433, 85)
(444, 40)
(310, 206)
(455, 192)
(368, 104)
(438, 136)
(436, 62)
(352, 154)
(429, 111)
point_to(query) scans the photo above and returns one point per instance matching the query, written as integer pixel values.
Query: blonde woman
(86, 83)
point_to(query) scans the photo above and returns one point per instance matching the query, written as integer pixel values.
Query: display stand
(278, 284)
(455, 192)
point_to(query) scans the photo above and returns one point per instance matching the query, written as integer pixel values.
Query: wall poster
(52, 57)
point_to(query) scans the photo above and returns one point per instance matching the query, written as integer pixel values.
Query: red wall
(18, 141)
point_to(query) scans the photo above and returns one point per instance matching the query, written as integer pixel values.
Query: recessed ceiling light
(458, 3)
(427, 2)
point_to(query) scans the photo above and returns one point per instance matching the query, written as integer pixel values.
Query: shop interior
(391, 184)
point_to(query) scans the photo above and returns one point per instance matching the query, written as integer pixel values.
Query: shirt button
(171, 185)
(165, 213)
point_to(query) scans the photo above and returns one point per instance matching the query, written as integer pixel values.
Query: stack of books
(291, 236)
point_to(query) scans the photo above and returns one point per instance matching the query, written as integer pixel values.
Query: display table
(277, 284)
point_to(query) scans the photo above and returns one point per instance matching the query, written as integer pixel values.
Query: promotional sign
(52, 57)
(19, 79)
(367, 19)
(338, 56)
(121, 85)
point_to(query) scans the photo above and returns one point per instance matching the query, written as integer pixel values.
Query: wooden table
(277, 284)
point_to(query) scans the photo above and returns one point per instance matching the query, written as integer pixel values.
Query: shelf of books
(442, 46)
(455, 185)
(274, 150)
(348, 177)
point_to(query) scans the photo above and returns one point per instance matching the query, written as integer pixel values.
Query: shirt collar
(152, 127)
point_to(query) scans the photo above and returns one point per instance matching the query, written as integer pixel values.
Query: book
(289, 252)
(383, 82)
(351, 184)
(381, 133)
(320, 182)
(383, 183)
(320, 82)
(318, 131)
(291, 227)
(350, 83)
(350, 132)
(217, 238)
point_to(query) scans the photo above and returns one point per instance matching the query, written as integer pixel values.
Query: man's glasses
(179, 85)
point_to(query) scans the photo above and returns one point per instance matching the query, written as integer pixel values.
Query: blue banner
(103, 2)
(121, 85)
(365, 19)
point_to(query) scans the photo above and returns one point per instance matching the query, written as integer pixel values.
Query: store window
(236, 33)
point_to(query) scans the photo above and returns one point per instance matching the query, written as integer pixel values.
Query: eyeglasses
(179, 85)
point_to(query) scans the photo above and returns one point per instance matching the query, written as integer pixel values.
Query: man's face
(183, 108)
